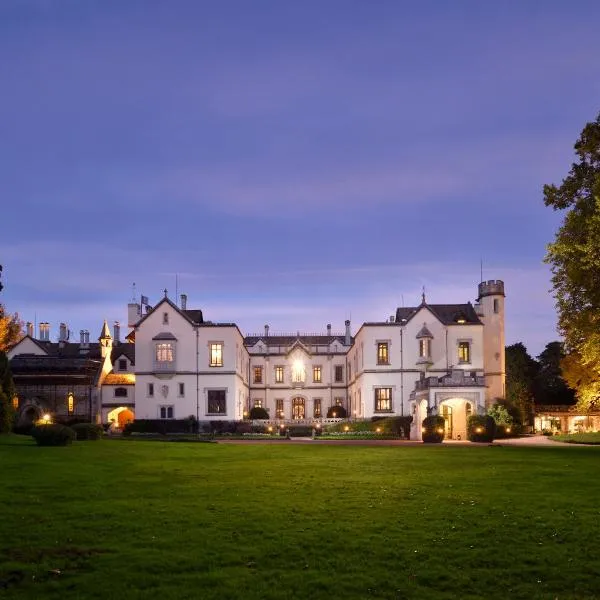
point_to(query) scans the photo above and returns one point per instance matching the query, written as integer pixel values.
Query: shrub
(393, 425)
(88, 431)
(334, 412)
(297, 431)
(481, 428)
(53, 435)
(23, 429)
(258, 412)
(433, 429)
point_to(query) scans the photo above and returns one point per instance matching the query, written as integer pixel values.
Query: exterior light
(508, 430)
(270, 429)
(378, 430)
(346, 428)
(478, 429)
(423, 430)
(440, 430)
(334, 414)
(318, 425)
(46, 418)
(282, 426)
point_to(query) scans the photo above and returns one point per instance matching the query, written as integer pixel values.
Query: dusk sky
(296, 163)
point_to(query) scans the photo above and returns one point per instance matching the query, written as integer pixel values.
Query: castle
(445, 359)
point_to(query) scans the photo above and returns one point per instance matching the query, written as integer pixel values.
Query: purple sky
(297, 163)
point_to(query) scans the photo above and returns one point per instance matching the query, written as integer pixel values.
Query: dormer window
(424, 338)
(424, 348)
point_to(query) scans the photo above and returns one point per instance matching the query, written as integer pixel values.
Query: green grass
(578, 438)
(134, 520)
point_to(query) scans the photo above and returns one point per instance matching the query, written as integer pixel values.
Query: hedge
(398, 426)
(338, 412)
(433, 429)
(53, 435)
(481, 428)
(88, 431)
(258, 412)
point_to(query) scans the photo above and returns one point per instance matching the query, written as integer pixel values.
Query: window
(120, 392)
(383, 400)
(349, 371)
(258, 403)
(464, 352)
(496, 305)
(382, 353)
(216, 354)
(150, 390)
(298, 372)
(181, 389)
(165, 318)
(317, 408)
(70, 403)
(166, 412)
(122, 364)
(339, 402)
(317, 374)
(424, 348)
(15, 402)
(164, 353)
(258, 374)
(339, 373)
(279, 408)
(217, 404)
(278, 374)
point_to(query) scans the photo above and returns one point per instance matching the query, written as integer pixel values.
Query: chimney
(183, 301)
(44, 331)
(266, 330)
(62, 334)
(329, 329)
(392, 319)
(87, 337)
(116, 333)
(82, 336)
(30, 331)
(348, 339)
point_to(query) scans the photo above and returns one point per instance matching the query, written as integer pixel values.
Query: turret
(106, 341)
(490, 309)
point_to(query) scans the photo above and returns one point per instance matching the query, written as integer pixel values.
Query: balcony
(456, 379)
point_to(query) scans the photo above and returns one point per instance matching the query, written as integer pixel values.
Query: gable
(27, 346)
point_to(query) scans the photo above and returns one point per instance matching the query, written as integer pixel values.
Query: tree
(521, 371)
(7, 392)
(550, 387)
(574, 257)
(11, 329)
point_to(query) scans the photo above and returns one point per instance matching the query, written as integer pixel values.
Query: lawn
(132, 520)
(578, 438)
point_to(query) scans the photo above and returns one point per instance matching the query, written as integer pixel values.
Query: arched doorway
(455, 412)
(120, 416)
(298, 408)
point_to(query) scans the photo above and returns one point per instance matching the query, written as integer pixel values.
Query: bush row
(398, 426)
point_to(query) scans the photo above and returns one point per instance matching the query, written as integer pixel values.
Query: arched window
(70, 403)
(120, 392)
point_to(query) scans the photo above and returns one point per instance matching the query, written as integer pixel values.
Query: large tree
(11, 329)
(7, 392)
(574, 257)
(521, 372)
(550, 386)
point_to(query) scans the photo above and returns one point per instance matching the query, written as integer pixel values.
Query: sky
(287, 163)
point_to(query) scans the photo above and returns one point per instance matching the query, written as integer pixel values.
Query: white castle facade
(445, 359)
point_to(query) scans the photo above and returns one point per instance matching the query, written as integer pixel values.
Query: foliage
(299, 431)
(433, 429)
(481, 428)
(258, 412)
(7, 392)
(521, 373)
(53, 435)
(500, 414)
(592, 438)
(550, 387)
(574, 257)
(87, 431)
(396, 426)
(11, 329)
(338, 412)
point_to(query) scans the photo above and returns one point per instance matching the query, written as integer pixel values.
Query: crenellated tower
(490, 309)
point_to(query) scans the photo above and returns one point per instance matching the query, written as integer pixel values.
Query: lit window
(217, 404)
(383, 400)
(216, 354)
(464, 352)
(317, 408)
(382, 353)
(181, 388)
(339, 402)
(70, 403)
(258, 403)
(298, 372)
(164, 353)
(278, 374)
(166, 412)
(15, 402)
(339, 373)
(317, 374)
(120, 392)
(258, 372)
(122, 364)
(165, 318)
(279, 408)
(424, 347)
(150, 390)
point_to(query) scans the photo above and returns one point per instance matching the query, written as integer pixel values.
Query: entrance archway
(120, 416)
(298, 408)
(455, 412)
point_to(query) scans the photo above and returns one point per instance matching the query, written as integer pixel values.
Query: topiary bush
(433, 429)
(53, 435)
(258, 412)
(88, 431)
(481, 428)
(338, 412)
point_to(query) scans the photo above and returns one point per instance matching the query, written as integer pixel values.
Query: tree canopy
(11, 329)
(574, 257)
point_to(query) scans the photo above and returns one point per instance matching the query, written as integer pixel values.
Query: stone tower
(106, 341)
(490, 309)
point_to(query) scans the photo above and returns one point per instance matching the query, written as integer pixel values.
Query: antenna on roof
(133, 293)
(481, 269)
(402, 298)
(176, 288)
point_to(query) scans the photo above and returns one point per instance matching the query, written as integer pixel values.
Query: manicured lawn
(578, 438)
(126, 519)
